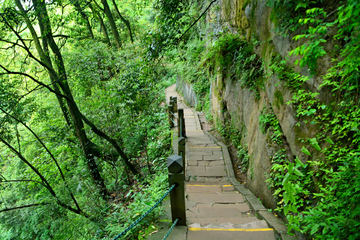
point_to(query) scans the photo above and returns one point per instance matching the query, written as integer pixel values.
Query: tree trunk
(127, 23)
(112, 23)
(52, 78)
(84, 16)
(102, 25)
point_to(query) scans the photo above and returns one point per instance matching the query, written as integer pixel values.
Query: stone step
(217, 221)
(208, 188)
(207, 179)
(206, 171)
(218, 197)
(202, 183)
(204, 163)
(198, 147)
(224, 211)
(235, 234)
(227, 223)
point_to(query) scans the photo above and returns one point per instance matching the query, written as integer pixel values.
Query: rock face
(186, 90)
(251, 19)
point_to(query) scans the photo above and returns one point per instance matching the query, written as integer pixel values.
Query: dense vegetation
(325, 208)
(83, 139)
(83, 136)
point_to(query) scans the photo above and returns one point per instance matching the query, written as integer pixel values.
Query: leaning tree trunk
(112, 23)
(127, 23)
(73, 108)
(52, 78)
(85, 17)
(102, 25)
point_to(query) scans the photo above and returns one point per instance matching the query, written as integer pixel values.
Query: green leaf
(287, 208)
(354, 127)
(314, 229)
(294, 210)
(297, 172)
(329, 140)
(297, 160)
(312, 111)
(314, 143)
(304, 150)
(286, 178)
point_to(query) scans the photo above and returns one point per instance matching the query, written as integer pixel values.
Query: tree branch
(47, 150)
(32, 78)
(43, 179)
(55, 36)
(25, 206)
(44, 64)
(23, 180)
(178, 39)
(112, 141)
(87, 121)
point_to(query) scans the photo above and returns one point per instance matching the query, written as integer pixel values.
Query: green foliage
(243, 156)
(333, 150)
(232, 56)
(233, 137)
(171, 19)
(229, 55)
(292, 79)
(135, 204)
(337, 211)
(288, 13)
(269, 122)
(277, 173)
(188, 66)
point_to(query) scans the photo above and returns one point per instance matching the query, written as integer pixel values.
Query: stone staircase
(214, 209)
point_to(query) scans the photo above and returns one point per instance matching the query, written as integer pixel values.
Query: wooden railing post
(181, 123)
(171, 116)
(171, 102)
(181, 149)
(177, 195)
(175, 105)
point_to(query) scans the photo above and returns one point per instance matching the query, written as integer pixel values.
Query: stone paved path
(215, 210)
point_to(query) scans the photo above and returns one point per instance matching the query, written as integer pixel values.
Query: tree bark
(127, 23)
(112, 23)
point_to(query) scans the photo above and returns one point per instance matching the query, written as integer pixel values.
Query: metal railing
(176, 168)
(123, 233)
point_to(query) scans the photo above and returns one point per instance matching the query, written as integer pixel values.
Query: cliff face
(238, 107)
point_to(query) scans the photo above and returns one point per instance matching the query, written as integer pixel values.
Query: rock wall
(187, 91)
(251, 19)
